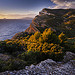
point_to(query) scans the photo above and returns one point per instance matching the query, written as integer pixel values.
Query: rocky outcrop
(39, 22)
(47, 67)
(31, 29)
(69, 56)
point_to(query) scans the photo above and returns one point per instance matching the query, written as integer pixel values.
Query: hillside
(61, 20)
(49, 40)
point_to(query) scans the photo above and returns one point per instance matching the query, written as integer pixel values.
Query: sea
(9, 27)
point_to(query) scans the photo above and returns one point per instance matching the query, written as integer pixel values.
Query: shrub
(48, 43)
(12, 64)
(33, 57)
(62, 37)
(49, 36)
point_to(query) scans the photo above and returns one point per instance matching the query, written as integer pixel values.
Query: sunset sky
(14, 9)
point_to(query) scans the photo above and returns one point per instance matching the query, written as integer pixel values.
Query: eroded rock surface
(47, 67)
(69, 56)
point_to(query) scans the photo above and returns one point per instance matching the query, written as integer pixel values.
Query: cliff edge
(60, 20)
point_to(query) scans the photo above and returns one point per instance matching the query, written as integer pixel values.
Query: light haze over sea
(9, 27)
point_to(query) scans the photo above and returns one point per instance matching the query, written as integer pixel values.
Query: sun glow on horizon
(16, 16)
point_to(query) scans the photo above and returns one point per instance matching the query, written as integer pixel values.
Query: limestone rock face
(50, 62)
(72, 62)
(47, 67)
(31, 29)
(69, 56)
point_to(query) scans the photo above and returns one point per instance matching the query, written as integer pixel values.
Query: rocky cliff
(60, 20)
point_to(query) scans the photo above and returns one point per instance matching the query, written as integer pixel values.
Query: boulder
(32, 66)
(69, 56)
(49, 62)
(72, 62)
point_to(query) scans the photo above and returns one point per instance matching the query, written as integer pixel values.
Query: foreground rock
(68, 56)
(47, 67)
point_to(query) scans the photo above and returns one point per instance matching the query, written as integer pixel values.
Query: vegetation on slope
(31, 49)
(50, 42)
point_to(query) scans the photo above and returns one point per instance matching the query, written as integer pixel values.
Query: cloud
(2, 15)
(31, 14)
(16, 16)
(64, 4)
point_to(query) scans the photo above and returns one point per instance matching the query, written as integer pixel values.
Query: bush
(69, 46)
(10, 47)
(48, 43)
(33, 57)
(62, 37)
(49, 36)
(35, 48)
(12, 64)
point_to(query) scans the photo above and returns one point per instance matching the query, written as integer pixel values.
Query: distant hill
(27, 18)
(61, 20)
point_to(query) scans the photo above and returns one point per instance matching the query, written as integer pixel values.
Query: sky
(15, 9)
